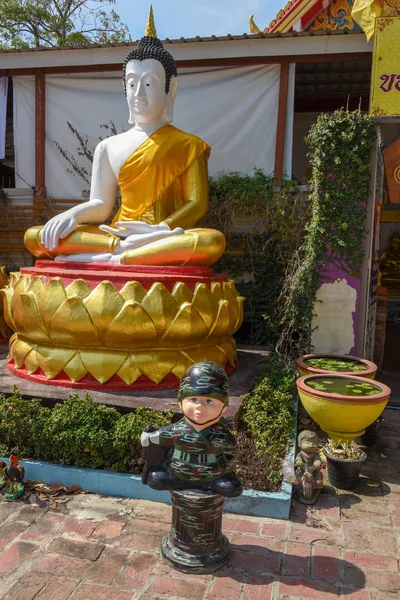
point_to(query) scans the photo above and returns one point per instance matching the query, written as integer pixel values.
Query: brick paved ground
(347, 546)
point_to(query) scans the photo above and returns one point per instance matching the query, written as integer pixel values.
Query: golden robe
(164, 179)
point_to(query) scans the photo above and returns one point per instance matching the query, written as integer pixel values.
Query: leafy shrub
(268, 413)
(78, 432)
(126, 441)
(17, 416)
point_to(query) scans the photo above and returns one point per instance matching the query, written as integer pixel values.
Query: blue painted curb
(99, 481)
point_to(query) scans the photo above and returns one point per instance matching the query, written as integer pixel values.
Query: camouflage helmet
(205, 379)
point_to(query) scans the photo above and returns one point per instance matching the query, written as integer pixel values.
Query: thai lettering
(390, 82)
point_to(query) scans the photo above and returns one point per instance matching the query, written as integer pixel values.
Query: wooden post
(281, 125)
(40, 128)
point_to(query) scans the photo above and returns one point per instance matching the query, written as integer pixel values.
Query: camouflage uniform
(196, 459)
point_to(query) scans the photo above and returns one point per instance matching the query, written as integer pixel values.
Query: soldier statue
(200, 452)
(195, 458)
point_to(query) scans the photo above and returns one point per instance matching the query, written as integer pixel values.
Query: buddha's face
(145, 91)
(202, 411)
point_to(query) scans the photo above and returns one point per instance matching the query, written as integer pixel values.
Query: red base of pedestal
(88, 382)
(114, 384)
(119, 275)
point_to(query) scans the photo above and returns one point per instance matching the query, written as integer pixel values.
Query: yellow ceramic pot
(306, 369)
(342, 417)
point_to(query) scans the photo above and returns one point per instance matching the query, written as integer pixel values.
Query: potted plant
(344, 461)
(314, 364)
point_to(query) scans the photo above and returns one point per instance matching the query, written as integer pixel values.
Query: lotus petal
(49, 299)
(240, 301)
(217, 290)
(102, 365)
(103, 304)
(156, 365)
(228, 346)
(233, 307)
(79, 288)
(72, 326)
(221, 326)
(201, 353)
(182, 293)
(27, 318)
(20, 282)
(129, 371)
(4, 278)
(182, 364)
(133, 290)
(161, 306)
(31, 362)
(132, 327)
(75, 369)
(13, 340)
(187, 328)
(7, 294)
(20, 351)
(205, 303)
(36, 284)
(20, 286)
(14, 276)
(52, 360)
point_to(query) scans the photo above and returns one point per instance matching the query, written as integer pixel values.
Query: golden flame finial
(253, 27)
(150, 27)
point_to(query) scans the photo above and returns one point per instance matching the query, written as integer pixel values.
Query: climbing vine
(340, 149)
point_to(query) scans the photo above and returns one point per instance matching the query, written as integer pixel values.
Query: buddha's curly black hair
(151, 47)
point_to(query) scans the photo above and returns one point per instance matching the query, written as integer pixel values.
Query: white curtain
(233, 109)
(3, 115)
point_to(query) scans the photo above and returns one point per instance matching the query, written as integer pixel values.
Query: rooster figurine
(13, 475)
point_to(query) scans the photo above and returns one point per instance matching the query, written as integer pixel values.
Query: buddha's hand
(123, 229)
(137, 234)
(146, 438)
(58, 228)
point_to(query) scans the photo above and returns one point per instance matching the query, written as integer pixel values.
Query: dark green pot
(344, 474)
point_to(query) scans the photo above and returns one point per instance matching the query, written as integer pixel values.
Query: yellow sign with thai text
(385, 83)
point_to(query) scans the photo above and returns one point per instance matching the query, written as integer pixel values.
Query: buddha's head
(150, 79)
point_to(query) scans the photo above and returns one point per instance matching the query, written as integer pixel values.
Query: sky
(189, 18)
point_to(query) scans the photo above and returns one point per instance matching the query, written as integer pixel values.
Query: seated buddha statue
(162, 175)
(389, 265)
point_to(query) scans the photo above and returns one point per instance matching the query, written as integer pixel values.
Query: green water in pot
(343, 386)
(337, 365)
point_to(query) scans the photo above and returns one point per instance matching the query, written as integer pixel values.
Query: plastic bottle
(288, 470)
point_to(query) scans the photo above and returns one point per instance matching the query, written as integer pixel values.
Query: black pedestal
(196, 543)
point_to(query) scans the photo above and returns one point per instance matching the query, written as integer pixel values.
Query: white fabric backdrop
(3, 115)
(232, 109)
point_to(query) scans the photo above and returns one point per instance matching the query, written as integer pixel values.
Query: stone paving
(103, 548)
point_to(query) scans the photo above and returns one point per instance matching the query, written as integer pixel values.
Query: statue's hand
(132, 242)
(153, 437)
(123, 229)
(57, 228)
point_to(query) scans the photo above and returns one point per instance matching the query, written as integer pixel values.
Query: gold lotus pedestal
(118, 327)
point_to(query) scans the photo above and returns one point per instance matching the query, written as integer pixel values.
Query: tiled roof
(197, 39)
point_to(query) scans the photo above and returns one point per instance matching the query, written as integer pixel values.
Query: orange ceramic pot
(306, 369)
